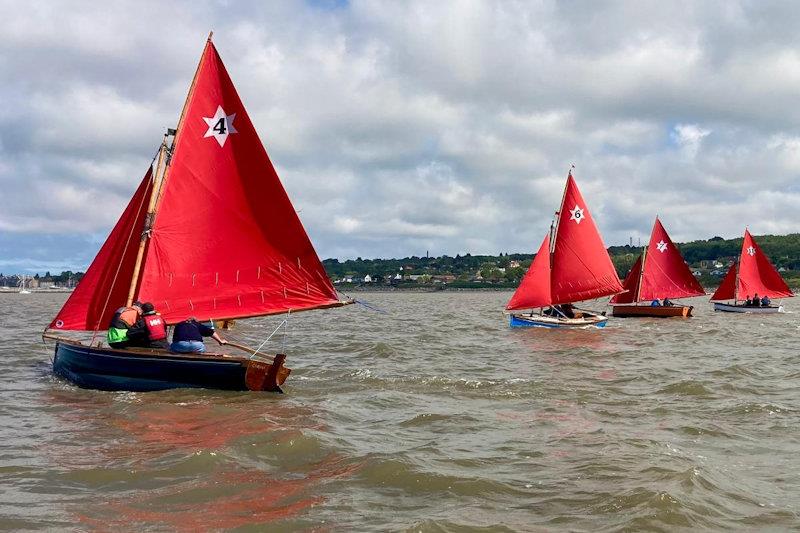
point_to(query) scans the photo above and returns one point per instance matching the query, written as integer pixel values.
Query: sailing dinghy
(572, 265)
(752, 274)
(660, 272)
(209, 233)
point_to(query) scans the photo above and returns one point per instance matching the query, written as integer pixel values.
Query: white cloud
(401, 127)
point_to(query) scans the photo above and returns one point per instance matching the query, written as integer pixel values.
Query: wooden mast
(164, 157)
(641, 275)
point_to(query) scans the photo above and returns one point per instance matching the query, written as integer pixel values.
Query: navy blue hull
(104, 369)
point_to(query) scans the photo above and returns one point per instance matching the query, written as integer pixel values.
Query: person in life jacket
(126, 329)
(155, 327)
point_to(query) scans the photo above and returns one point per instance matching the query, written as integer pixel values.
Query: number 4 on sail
(209, 233)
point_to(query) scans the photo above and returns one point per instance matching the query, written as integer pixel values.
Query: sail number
(219, 127)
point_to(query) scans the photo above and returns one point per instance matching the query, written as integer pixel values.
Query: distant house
(782, 269)
(367, 279)
(718, 264)
(444, 278)
(513, 264)
(398, 277)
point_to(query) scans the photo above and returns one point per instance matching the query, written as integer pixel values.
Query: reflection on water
(434, 417)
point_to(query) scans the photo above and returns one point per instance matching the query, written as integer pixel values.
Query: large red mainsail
(666, 274)
(756, 273)
(534, 290)
(105, 285)
(581, 268)
(225, 241)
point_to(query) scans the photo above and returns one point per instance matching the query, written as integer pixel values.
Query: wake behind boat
(572, 265)
(754, 277)
(659, 273)
(209, 233)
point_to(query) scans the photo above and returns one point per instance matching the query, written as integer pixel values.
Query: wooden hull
(730, 308)
(542, 321)
(627, 311)
(151, 370)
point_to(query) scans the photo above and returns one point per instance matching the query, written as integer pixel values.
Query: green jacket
(117, 335)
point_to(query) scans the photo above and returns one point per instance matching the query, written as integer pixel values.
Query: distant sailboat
(660, 272)
(572, 265)
(209, 233)
(22, 286)
(752, 275)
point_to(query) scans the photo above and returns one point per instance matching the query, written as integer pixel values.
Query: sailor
(748, 302)
(667, 302)
(655, 303)
(126, 329)
(155, 327)
(188, 336)
(756, 300)
(765, 301)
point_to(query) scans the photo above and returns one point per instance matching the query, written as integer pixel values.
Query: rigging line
(257, 350)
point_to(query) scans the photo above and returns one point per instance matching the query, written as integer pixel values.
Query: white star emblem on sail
(661, 246)
(577, 214)
(751, 251)
(220, 126)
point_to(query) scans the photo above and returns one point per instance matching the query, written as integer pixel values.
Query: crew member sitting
(155, 327)
(765, 301)
(748, 302)
(126, 329)
(188, 336)
(667, 302)
(756, 300)
(655, 303)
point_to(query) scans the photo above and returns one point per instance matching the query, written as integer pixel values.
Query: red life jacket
(156, 329)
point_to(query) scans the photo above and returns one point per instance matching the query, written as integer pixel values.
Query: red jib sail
(534, 290)
(727, 289)
(581, 268)
(631, 285)
(666, 274)
(227, 241)
(756, 273)
(105, 285)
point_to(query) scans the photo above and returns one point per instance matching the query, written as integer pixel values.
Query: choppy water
(434, 417)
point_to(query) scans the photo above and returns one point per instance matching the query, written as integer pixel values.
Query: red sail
(756, 273)
(666, 274)
(534, 290)
(582, 269)
(105, 285)
(631, 285)
(226, 240)
(727, 289)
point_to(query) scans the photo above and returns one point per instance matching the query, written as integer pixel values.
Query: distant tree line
(508, 269)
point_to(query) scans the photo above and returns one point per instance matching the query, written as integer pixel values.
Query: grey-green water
(433, 417)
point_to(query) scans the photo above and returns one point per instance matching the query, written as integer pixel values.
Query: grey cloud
(404, 127)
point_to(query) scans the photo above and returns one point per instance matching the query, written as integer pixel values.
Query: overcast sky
(404, 127)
